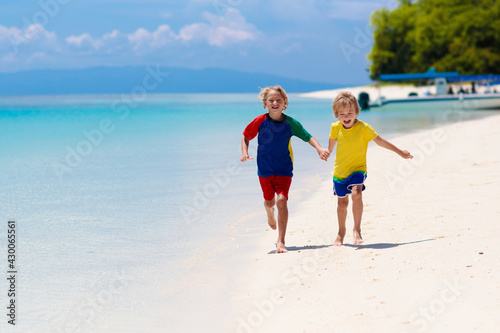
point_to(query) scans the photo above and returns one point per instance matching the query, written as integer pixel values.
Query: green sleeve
(298, 130)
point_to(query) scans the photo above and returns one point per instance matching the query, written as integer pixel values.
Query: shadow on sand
(381, 246)
(302, 248)
(377, 246)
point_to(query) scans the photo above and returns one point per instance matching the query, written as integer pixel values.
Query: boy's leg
(357, 212)
(269, 205)
(342, 204)
(269, 195)
(282, 205)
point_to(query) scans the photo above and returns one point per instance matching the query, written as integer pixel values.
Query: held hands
(323, 154)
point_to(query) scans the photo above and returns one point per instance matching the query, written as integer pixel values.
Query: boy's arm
(323, 153)
(244, 150)
(387, 145)
(331, 144)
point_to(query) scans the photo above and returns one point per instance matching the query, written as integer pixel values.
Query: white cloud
(113, 41)
(34, 37)
(35, 46)
(220, 31)
(8, 37)
(142, 38)
(23, 49)
(109, 42)
(82, 41)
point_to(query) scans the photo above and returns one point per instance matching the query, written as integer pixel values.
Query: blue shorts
(342, 188)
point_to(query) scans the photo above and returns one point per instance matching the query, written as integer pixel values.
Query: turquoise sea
(121, 202)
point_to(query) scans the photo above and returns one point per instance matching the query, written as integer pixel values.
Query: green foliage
(449, 35)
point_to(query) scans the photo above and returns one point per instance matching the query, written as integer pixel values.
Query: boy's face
(347, 116)
(274, 102)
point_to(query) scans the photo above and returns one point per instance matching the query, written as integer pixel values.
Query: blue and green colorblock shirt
(274, 151)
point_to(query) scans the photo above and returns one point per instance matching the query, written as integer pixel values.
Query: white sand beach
(430, 258)
(390, 91)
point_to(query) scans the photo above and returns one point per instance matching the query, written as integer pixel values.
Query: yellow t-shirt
(352, 145)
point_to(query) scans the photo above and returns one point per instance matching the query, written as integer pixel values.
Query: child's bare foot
(280, 248)
(271, 220)
(339, 241)
(357, 237)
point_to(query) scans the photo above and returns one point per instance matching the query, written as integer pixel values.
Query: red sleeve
(252, 129)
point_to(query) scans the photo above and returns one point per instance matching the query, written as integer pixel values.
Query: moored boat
(444, 96)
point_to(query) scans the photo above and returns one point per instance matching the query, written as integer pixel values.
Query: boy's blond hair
(265, 91)
(344, 100)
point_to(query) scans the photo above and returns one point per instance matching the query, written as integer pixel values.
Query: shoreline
(417, 246)
(390, 91)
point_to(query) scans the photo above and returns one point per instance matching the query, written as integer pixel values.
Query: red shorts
(275, 184)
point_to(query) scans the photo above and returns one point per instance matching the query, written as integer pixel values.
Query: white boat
(489, 101)
(443, 97)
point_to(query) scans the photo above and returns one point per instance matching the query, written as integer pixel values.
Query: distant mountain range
(139, 79)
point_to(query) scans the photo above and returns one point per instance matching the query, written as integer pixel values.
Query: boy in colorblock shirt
(275, 155)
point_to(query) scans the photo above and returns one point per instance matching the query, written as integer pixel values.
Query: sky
(313, 40)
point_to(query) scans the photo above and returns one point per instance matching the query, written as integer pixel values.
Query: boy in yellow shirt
(351, 137)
